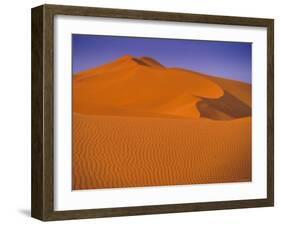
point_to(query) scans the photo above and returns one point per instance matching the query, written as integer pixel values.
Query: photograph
(160, 112)
(138, 112)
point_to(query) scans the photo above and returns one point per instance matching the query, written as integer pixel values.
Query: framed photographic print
(141, 112)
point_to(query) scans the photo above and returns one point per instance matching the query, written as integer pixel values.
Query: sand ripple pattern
(113, 151)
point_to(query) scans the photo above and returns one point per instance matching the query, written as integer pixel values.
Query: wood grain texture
(270, 112)
(42, 112)
(37, 114)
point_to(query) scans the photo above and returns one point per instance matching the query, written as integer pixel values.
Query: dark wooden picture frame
(42, 204)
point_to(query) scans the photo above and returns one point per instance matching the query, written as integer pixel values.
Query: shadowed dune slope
(133, 86)
(236, 102)
(137, 123)
(240, 90)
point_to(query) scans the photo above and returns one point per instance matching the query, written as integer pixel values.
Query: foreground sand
(112, 151)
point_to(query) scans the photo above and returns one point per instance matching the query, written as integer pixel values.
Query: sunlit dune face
(138, 123)
(142, 86)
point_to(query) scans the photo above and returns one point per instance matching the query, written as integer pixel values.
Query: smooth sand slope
(137, 123)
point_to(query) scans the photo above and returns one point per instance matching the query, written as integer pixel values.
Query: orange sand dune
(135, 87)
(112, 151)
(130, 85)
(138, 123)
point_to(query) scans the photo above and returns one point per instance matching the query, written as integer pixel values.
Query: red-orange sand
(137, 123)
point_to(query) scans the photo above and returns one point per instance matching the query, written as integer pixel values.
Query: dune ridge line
(139, 123)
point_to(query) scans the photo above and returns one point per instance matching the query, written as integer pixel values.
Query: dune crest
(132, 86)
(138, 123)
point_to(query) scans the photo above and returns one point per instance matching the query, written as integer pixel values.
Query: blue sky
(232, 60)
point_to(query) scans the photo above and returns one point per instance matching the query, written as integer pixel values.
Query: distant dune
(138, 123)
